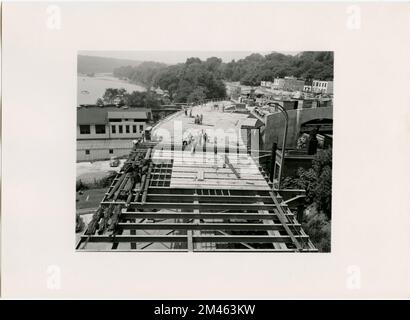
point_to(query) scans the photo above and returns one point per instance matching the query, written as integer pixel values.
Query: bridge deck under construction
(172, 200)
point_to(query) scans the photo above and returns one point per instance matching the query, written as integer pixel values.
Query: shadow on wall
(275, 124)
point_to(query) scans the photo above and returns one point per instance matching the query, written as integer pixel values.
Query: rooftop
(93, 114)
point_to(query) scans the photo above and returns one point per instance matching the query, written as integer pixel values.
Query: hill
(92, 64)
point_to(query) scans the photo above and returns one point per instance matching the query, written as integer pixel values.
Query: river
(89, 89)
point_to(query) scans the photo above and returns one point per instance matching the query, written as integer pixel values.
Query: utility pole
(285, 133)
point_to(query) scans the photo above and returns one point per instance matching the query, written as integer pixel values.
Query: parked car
(114, 162)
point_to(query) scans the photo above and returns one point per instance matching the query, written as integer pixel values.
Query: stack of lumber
(132, 173)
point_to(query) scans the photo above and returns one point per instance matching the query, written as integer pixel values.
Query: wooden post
(273, 161)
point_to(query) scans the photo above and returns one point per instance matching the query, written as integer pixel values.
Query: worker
(313, 142)
(200, 119)
(134, 142)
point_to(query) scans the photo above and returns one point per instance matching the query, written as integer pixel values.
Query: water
(92, 88)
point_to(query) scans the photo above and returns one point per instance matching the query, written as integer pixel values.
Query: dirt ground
(89, 198)
(88, 171)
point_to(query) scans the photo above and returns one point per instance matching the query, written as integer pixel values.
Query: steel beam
(205, 198)
(202, 206)
(202, 226)
(191, 215)
(196, 238)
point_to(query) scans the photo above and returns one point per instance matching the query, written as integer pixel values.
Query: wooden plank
(199, 176)
(216, 175)
(214, 165)
(220, 184)
(218, 170)
(158, 197)
(222, 181)
(227, 161)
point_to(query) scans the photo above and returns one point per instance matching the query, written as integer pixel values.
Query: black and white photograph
(204, 157)
(204, 151)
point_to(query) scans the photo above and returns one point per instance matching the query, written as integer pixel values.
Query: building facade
(288, 83)
(319, 86)
(105, 132)
(266, 84)
(307, 88)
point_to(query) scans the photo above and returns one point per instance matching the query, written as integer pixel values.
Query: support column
(273, 161)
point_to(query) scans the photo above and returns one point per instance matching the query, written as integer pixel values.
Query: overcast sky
(172, 57)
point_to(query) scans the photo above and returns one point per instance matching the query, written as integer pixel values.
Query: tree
(255, 67)
(318, 227)
(197, 95)
(143, 74)
(142, 99)
(192, 61)
(182, 79)
(112, 93)
(317, 181)
(193, 80)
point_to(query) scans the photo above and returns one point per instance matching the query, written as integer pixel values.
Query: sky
(171, 57)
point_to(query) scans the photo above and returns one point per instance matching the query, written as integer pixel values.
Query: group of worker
(186, 112)
(199, 118)
(200, 140)
(217, 107)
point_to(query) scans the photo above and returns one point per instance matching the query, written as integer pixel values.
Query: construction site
(197, 186)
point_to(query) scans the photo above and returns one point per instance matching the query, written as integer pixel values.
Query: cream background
(371, 224)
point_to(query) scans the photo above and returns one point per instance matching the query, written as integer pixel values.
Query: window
(134, 129)
(85, 129)
(114, 120)
(87, 151)
(125, 119)
(127, 129)
(141, 128)
(120, 129)
(111, 151)
(100, 128)
(113, 129)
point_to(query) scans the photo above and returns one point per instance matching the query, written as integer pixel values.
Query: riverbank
(90, 88)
